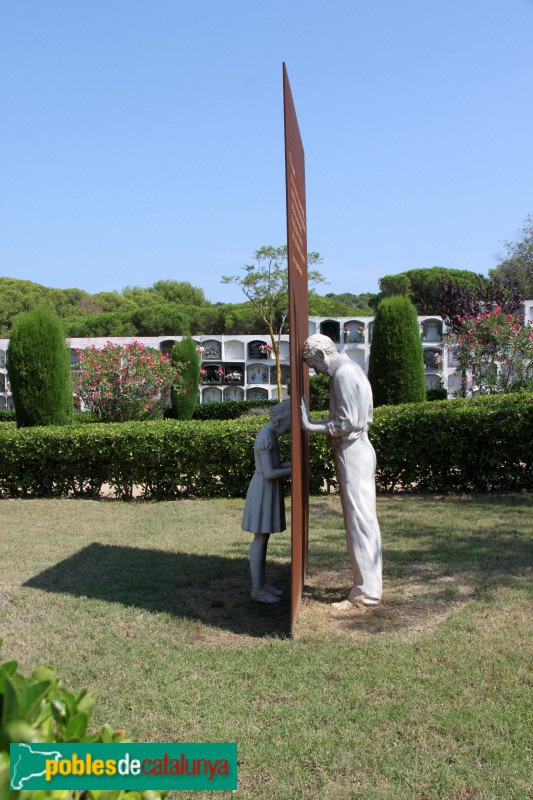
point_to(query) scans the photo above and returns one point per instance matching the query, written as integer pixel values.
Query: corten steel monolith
(298, 330)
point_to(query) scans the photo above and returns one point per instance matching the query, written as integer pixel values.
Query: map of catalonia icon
(29, 764)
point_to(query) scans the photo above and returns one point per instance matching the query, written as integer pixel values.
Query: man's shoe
(365, 602)
(342, 605)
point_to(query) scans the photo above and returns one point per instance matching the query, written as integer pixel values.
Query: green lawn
(147, 605)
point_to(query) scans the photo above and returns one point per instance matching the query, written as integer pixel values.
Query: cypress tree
(184, 400)
(38, 364)
(396, 365)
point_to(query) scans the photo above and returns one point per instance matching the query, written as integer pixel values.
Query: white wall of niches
(242, 368)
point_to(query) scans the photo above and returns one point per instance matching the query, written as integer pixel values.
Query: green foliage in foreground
(38, 364)
(485, 444)
(39, 709)
(396, 364)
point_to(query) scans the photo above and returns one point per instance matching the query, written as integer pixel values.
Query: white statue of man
(350, 413)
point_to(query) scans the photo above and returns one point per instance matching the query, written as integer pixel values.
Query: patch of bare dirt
(226, 617)
(412, 605)
(108, 493)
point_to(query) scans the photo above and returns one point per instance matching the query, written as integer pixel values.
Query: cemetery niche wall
(233, 355)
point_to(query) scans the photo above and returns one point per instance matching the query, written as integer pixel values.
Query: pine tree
(38, 364)
(184, 400)
(396, 366)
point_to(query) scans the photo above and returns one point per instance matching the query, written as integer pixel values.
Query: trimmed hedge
(229, 409)
(8, 420)
(484, 444)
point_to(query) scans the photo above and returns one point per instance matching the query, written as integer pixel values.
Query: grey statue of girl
(264, 511)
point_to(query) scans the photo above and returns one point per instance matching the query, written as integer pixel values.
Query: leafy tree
(184, 400)
(180, 292)
(125, 383)
(18, 295)
(391, 285)
(358, 304)
(38, 363)
(494, 351)
(162, 318)
(112, 324)
(266, 285)
(517, 266)
(332, 307)
(396, 365)
(110, 302)
(457, 301)
(422, 286)
(206, 319)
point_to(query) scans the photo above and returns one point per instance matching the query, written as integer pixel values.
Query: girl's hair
(279, 411)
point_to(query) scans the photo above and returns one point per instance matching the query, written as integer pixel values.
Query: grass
(425, 698)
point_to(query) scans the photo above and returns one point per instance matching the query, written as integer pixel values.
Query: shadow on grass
(488, 552)
(211, 589)
(434, 562)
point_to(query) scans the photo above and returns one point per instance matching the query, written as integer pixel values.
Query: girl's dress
(264, 510)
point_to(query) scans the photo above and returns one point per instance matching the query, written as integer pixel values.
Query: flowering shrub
(494, 351)
(120, 383)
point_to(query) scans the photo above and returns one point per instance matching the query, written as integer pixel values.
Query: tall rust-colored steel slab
(298, 329)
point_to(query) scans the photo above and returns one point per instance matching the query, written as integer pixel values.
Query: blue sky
(144, 140)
